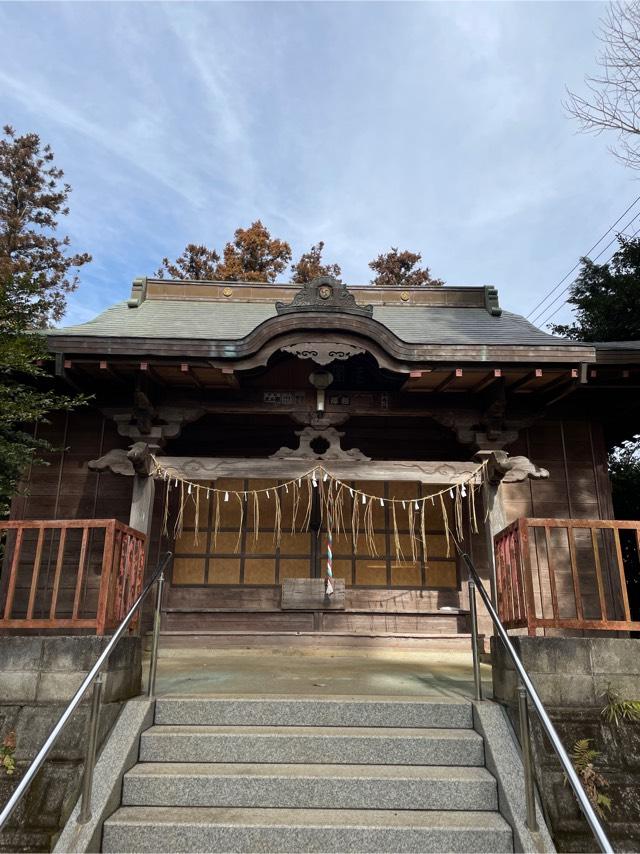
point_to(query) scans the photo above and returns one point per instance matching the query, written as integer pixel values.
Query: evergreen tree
(32, 198)
(607, 297)
(36, 273)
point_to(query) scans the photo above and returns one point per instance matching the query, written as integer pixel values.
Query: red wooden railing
(68, 574)
(566, 574)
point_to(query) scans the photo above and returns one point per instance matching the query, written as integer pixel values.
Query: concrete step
(425, 641)
(205, 829)
(298, 786)
(333, 745)
(337, 711)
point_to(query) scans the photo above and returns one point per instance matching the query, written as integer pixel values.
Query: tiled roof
(440, 325)
(616, 345)
(175, 319)
(227, 321)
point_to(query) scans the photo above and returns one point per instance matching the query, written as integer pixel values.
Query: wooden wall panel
(395, 623)
(65, 488)
(578, 486)
(268, 599)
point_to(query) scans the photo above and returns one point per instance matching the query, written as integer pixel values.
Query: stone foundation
(571, 674)
(38, 677)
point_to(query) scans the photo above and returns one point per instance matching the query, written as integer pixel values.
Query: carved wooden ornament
(305, 451)
(325, 294)
(323, 352)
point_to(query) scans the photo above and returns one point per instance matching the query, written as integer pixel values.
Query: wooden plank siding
(65, 488)
(578, 487)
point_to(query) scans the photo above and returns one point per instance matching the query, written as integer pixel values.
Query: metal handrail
(94, 674)
(526, 687)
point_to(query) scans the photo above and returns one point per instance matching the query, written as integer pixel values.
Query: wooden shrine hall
(238, 389)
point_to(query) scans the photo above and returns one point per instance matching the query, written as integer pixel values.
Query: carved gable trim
(325, 294)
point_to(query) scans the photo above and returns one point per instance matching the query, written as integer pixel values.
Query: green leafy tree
(624, 469)
(606, 297)
(254, 256)
(310, 266)
(395, 269)
(27, 390)
(196, 263)
(37, 271)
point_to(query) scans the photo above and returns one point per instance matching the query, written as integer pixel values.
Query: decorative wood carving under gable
(305, 451)
(137, 460)
(503, 468)
(323, 352)
(157, 425)
(484, 429)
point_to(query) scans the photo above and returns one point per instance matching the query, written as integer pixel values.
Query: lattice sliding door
(247, 554)
(241, 554)
(360, 569)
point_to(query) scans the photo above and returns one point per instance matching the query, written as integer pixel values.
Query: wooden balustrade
(566, 574)
(68, 574)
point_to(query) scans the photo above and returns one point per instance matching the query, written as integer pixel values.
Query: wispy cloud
(437, 127)
(33, 98)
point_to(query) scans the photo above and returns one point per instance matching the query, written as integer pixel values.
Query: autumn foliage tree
(37, 271)
(196, 263)
(254, 256)
(395, 269)
(310, 266)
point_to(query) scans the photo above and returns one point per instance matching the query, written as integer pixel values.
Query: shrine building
(201, 391)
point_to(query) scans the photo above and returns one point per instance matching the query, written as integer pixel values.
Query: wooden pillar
(496, 521)
(496, 518)
(142, 497)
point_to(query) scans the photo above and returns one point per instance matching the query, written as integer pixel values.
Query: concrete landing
(432, 674)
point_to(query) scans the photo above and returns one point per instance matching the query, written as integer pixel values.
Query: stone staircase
(309, 775)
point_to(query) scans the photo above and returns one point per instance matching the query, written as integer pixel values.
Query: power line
(564, 278)
(553, 314)
(537, 318)
(568, 287)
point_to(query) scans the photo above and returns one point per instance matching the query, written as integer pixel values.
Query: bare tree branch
(612, 101)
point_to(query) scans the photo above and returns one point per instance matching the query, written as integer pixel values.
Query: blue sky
(436, 127)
